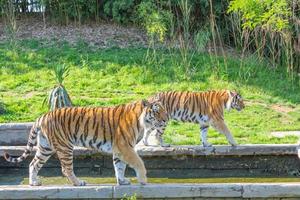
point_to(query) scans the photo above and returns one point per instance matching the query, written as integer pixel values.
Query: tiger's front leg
(128, 155)
(146, 136)
(221, 127)
(159, 139)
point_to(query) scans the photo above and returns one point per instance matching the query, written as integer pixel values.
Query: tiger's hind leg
(66, 160)
(120, 168)
(203, 133)
(43, 153)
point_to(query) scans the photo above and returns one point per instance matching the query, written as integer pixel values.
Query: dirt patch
(28, 95)
(99, 34)
(282, 134)
(276, 107)
(281, 108)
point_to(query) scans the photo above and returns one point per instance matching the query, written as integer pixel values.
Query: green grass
(112, 180)
(101, 77)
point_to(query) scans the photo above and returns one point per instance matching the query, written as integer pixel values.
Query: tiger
(113, 130)
(204, 108)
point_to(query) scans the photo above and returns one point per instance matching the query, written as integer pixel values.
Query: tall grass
(269, 33)
(9, 14)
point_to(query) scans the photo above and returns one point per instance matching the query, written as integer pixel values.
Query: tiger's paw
(233, 144)
(125, 181)
(145, 142)
(35, 183)
(142, 179)
(206, 144)
(165, 145)
(80, 183)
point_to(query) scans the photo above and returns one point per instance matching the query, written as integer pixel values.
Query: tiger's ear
(145, 103)
(233, 93)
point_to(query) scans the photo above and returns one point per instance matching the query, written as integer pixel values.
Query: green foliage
(202, 37)
(65, 11)
(267, 14)
(268, 30)
(119, 10)
(133, 197)
(8, 12)
(154, 19)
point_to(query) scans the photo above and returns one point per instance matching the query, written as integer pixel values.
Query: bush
(119, 10)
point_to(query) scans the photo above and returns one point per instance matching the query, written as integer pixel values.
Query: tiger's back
(185, 106)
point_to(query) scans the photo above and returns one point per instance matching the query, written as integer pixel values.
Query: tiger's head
(155, 116)
(235, 101)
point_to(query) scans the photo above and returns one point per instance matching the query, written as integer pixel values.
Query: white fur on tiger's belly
(107, 147)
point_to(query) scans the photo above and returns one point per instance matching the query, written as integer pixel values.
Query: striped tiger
(203, 108)
(113, 130)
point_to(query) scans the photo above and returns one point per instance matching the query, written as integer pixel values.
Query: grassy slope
(101, 77)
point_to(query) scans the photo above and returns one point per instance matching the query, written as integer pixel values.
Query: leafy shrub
(119, 10)
(269, 14)
(154, 19)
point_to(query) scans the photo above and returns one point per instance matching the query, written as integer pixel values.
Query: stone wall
(175, 161)
(180, 161)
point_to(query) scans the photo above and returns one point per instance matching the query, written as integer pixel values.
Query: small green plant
(133, 197)
(59, 96)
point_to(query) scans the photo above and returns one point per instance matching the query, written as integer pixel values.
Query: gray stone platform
(157, 191)
(184, 150)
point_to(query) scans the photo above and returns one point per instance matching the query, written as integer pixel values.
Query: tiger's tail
(30, 143)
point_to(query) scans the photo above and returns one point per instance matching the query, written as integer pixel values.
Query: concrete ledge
(154, 191)
(218, 150)
(16, 126)
(14, 133)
